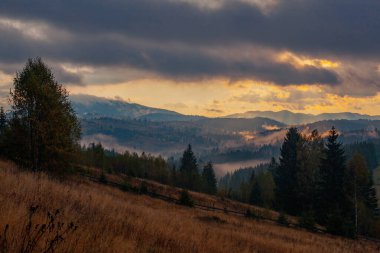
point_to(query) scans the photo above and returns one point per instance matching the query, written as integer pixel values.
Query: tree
(3, 131)
(44, 129)
(3, 119)
(365, 203)
(335, 209)
(255, 196)
(309, 155)
(189, 170)
(209, 179)
(285, 173)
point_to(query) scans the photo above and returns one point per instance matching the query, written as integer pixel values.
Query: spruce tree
(285, 173)
(189, 170)
(3, 119)
(44, 130)
(209, 179)
(363, 195)
(335, 207)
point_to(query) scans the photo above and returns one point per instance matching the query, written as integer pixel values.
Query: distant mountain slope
(291, 118)
(172, 136)
(87, 106)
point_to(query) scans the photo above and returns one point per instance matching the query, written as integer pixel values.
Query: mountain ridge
(292, 118)
(88, 106)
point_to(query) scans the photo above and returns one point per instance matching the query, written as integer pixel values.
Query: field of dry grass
(110, 220)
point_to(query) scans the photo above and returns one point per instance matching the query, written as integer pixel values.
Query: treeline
(322, 182)
(188, 175)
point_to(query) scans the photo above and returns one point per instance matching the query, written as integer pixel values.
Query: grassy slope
(110, 220)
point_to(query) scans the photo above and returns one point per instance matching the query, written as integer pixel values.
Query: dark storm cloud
(190, 64)
(99, 32)
(339, 26)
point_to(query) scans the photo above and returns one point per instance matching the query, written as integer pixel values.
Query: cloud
(174, 63)
(339, 26)
(176, 39)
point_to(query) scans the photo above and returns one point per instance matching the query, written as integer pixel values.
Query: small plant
(253, 214)
(39, 237)
(103, 178)
(282, 219)
(126, 186)
(185, 199)
(248, 213)
(307, 221)
(143, 189)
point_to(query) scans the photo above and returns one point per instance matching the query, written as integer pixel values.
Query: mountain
(168, 137)
(87, 106)
(291, 118)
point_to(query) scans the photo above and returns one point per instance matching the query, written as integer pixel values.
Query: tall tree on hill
(310, 153)
(335, 207)
(189, 170)
(255, 196)
(44, 129)
(3, 129)
(285, 173)
(3, 119)
(365, 203)
(209, 179)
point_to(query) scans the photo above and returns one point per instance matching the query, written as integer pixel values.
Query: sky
(204, 57)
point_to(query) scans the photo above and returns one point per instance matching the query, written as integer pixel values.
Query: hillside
(171, 137)
(109, 220)
(292, 118)
(87, 106)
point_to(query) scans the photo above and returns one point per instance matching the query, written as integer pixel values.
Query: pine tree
(3, 119)
(285, 173)
(44, 129)
(335, 208)
(255, 196)
(310, 153)
(189, 170)
(209, 179)
(363, 195)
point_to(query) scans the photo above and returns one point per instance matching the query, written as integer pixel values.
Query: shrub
(103, 178)
(282, 219)
(126, 186)
(307, 221)
(143, 189)
(185, 199)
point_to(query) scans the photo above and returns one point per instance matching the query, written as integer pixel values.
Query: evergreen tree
(209, 179)
(335, 208)
(189, 170)
(3, 130)
(310, 153)
(44, 129)
(255, 196)
(285, 173)
(365, 203)
(3, 120)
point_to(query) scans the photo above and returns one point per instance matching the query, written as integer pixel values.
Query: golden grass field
(110, 220)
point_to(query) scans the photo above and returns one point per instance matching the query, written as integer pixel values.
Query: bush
(143, 189)
(253, 215)
(126, 186)
(103, 178)
(282, 219)
(185, 199)
(307, 221)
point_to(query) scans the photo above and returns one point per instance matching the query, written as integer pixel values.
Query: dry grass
(110, 220)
